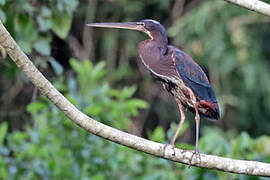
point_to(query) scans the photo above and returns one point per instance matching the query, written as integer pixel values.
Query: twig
(117, 136)
(254, 5)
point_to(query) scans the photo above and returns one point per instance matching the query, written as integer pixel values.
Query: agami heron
(180, 74)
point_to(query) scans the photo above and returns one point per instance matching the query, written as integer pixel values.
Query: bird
(180, 75)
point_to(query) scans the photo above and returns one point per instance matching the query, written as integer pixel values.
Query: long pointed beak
(125, 25)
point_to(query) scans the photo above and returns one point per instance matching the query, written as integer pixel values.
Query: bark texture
(254, 5)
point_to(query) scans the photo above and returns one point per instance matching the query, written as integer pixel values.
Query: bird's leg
(197, 118)
(180, 123)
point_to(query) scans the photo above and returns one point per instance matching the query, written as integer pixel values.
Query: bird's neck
(153, 50)
(156, 46)
(159, 41)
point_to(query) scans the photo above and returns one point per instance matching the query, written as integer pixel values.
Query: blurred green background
(99, 71)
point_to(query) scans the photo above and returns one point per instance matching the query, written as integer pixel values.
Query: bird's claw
(172, 147)
(198, 156)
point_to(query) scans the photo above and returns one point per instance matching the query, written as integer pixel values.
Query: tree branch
(117, 136)
(253, 5)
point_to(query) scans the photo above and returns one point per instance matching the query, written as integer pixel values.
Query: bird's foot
(172, 148)
(198, 156)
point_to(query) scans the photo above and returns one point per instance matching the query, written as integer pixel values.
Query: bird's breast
(165, 73)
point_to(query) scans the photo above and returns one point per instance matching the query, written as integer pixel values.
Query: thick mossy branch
(117, 136)
(254, 5)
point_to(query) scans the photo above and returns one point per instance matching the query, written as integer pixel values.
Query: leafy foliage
(231, 43)
(55, 148)
(52, 129)
(31, 22)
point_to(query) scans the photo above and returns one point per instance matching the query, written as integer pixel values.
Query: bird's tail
(210, 110)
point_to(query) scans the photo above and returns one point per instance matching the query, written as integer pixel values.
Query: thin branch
(253, 5)
(117, 136)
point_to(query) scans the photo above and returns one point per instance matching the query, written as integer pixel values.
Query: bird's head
(151, 27)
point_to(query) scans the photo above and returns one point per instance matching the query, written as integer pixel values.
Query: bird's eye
(140, 23)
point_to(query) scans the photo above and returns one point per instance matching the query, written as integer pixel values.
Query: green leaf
(3, 132)
(35, 107)
(121, 72)
(76, 66)
(114, 93)
(99, 70)
(98, 176)
(46, 12)
(127, 92)
(93, 110)
(158, 135)
(137, 103)
(61, 24)
(43, 47)
(57, 67)
(2, 2)
(184, 146)
(3, 16)
(60, 84)
(25, 46)
(44, 24)
(18, 137)
(26, 28)
(86, 67)
(262, 145)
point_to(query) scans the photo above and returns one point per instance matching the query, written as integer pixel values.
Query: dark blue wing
(193, 75)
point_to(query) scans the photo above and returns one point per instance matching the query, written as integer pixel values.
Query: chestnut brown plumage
(181, 76)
